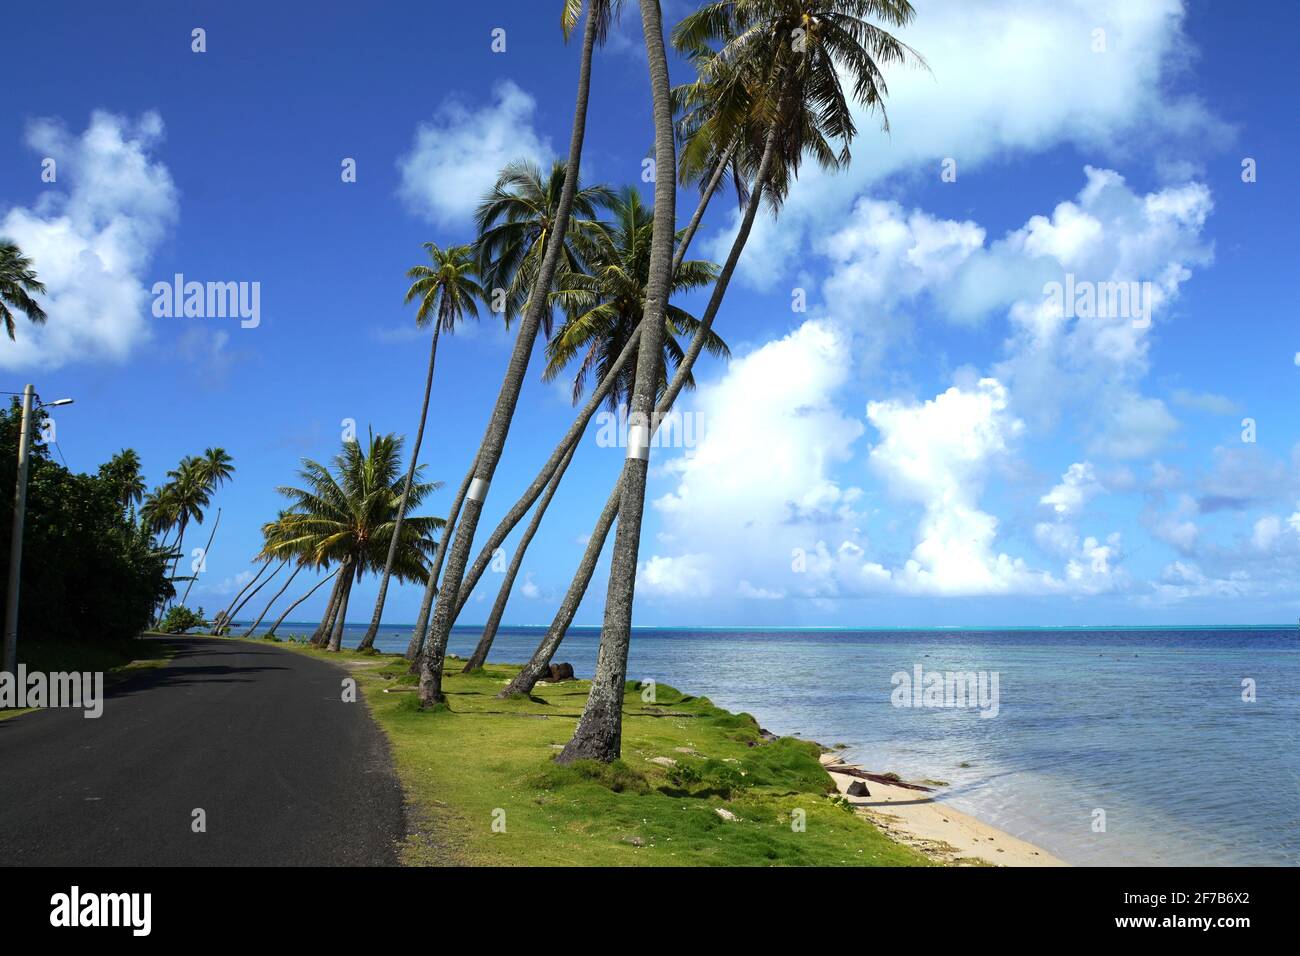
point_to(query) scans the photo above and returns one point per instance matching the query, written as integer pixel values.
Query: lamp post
(16, 540)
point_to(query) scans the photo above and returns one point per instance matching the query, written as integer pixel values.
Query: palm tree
(599, 730)
(562, 451)
(123, 473)
(795, 91)
(280, 620)
(207, 549)
(190, 494)
(603, 307)
(603, 311)
(215, 467)
(192, 485)
(348, 516)
(159, 511)
(446, 290)
(18, 283)
(600, 14)
(515, 222)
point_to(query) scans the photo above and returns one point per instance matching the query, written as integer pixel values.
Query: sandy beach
(923, 821)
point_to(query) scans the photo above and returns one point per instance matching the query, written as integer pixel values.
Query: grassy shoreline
(697, 785)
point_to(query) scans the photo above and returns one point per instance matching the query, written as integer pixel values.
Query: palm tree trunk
(416, 645)
(599, 731)
(431, 661)
(253, 593)
(206, 548)
(537, 665)
(340, 621)
(480, 654)
(314, 588)
(271, 603)
(598, 735)
(225, 615)
(369, 639)
(512, 517)
(321, 635)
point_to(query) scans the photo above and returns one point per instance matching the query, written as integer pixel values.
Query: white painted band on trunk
(638, 442)
(477, 490)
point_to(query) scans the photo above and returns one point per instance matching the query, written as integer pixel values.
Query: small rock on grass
(727, 815)
(664, 761)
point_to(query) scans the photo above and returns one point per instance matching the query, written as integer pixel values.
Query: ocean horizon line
(849, 628)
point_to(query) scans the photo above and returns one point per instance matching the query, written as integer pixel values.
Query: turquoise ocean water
(1148, 725)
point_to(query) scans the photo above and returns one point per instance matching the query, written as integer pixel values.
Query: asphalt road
(257, 737)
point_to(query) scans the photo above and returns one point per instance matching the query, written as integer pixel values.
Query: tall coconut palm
(123, 473)
(287, 611)
(191, 491)
(192, 485)
(446, 289)
(563, 451)
(18, 283)
(600, 14)
(603, 307)
(215, 467)
(599, 730)
(516, 221)
(348, 516)
(603, 311)
(799, 47)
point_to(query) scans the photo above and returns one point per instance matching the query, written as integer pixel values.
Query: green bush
(180, 619)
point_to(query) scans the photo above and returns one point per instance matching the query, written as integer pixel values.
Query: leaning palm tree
(726, 159)
(600, 14)
(348, 516)
(192, 485)
(603, 307)
(782, 59)
(603, 311)
(446, 290)
(599, 729)
(192, 492)
(517, 219)
(18, 283)
(215, 467)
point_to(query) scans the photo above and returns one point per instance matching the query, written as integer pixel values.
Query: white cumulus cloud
(91, 237)
(456, 157)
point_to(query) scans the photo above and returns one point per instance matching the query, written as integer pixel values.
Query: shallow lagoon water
(1147, 725)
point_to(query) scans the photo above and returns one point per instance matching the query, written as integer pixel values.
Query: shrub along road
(256, 737)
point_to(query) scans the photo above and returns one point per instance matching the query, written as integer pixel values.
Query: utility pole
(16, 540)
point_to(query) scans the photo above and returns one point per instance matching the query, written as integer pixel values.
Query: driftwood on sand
(852, 771)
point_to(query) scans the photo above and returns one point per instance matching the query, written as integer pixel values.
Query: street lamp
(16, 541)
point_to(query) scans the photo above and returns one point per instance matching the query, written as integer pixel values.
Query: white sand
(922, 821)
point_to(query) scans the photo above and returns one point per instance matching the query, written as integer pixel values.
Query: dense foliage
(180, 619)
(89, 572)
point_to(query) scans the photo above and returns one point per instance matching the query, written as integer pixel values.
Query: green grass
(482, 760)
(116, 659)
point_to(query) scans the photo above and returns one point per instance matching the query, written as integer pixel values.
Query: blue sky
(927, 443)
